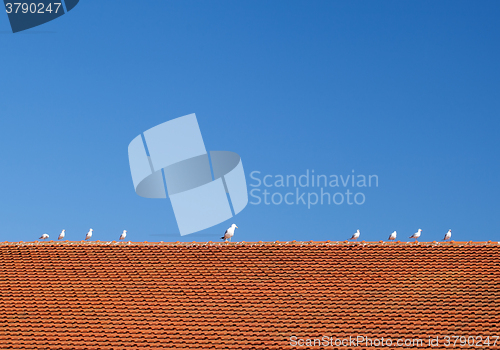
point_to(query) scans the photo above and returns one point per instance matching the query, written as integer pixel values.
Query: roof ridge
(346, 243)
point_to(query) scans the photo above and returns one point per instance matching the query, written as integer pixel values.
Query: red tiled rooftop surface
(81, 295)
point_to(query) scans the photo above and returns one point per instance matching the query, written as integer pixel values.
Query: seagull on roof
(89, 234)
(229, 232)
(44, 236)
(123, 235)
(416, 234)
(61, 235)
(355, 236)
(392, 237)
(447, 236)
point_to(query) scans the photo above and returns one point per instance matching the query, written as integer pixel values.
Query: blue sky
(409, 91)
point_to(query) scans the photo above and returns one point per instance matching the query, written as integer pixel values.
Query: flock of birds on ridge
(87, 237)
(393, 235)
(230, 233)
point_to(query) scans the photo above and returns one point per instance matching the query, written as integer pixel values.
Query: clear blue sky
(409, 91)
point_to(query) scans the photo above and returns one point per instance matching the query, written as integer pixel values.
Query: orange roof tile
(103, 295)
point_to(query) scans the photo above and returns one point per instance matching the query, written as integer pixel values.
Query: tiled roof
(81, 295)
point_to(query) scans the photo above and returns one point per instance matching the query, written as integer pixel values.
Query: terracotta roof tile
(102, 295)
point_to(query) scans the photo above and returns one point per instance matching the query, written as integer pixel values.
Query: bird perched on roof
(416, 234)
(447, 236)
(44, 236)
(62, 234)
(392, 237)
(89, 234)
(123, 235)
(229, 232)
(355, 236)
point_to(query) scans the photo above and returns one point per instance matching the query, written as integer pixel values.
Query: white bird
(229, 233)
(355, 236)
(61, 235)
(123, 235)
(89, 234)
(416, 234)
(44, 236)
(392, 237)
(447, 236)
